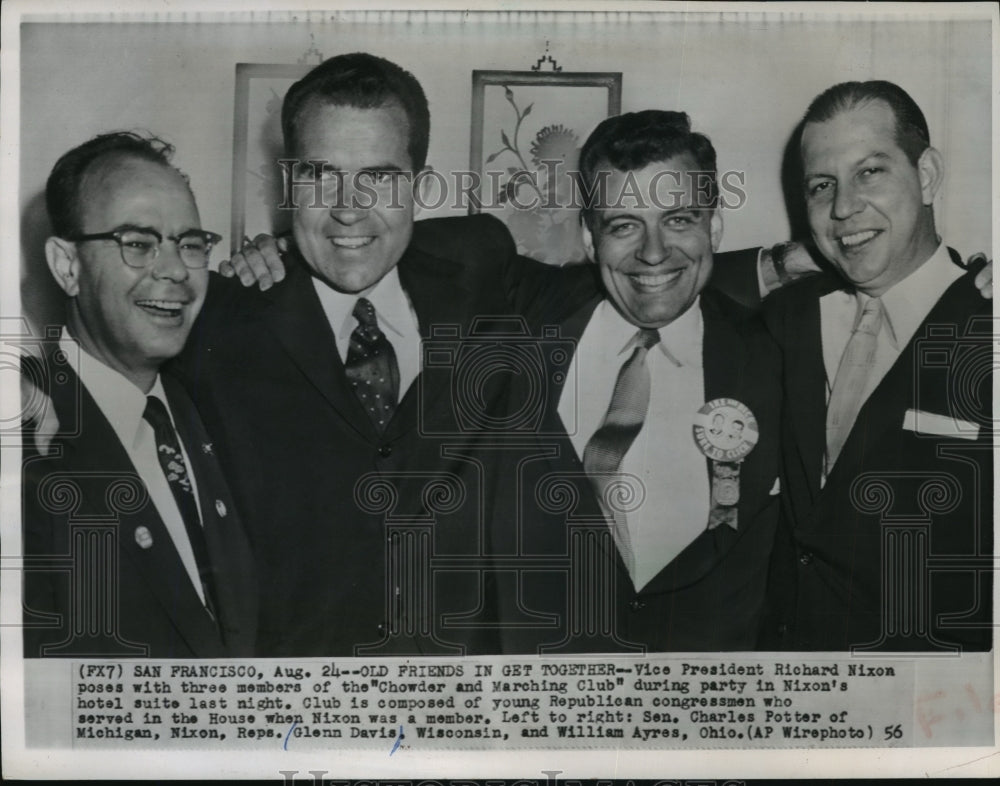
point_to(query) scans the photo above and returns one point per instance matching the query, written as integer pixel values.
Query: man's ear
(421, 188)
(64, 264)
(930, 167)
(588, 239)
(715, 228)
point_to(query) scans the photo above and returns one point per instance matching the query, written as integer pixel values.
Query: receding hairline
(107, 165)
(861, 102)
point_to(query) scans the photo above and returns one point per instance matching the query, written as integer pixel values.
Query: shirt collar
(386, 295)
(121, 402)
(908, 302)
(680, 341)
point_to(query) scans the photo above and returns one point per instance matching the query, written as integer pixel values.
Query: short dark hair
(912, 134)
(362, 81)
(636, 139)
(62, 190)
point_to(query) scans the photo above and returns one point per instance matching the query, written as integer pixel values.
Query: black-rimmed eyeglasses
(140, 246)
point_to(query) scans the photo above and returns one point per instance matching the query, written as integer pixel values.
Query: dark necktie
(605, 450)
(371, 366)
(168, 451)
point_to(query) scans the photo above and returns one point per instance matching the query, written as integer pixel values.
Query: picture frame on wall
(257, 145)
(526, 132)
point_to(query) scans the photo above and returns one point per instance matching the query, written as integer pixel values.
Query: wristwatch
(778, 254)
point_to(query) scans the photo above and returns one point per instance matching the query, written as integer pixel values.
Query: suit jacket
(904, 520)
(373, 543)
(85, 506)
(367, 542)
(710, 597)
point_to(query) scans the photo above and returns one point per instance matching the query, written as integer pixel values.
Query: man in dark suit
(363, 483)
(674, 556)
(132, 541)
(887, 436)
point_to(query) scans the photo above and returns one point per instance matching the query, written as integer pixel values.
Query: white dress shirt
(905, 306)
(395, 315)
(664, 455)
(123, 404)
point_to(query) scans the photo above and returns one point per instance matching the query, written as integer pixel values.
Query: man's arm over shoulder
(734, 273)
(483, 244)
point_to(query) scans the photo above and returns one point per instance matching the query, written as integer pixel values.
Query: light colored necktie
(602, 457)
(856, 364)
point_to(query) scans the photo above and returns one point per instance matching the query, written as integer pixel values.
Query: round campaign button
(725, 430)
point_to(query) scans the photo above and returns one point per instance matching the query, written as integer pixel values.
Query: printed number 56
(894, 732)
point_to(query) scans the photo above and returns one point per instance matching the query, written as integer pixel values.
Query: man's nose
(653, 250)
(846, 202)
(350, 204)
(168, 263)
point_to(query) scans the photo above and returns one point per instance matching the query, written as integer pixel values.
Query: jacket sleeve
(735, 274)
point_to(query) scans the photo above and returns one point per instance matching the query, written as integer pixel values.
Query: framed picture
(527, 129)
(257, 145)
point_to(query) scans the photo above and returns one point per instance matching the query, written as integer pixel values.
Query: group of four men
(433, 445)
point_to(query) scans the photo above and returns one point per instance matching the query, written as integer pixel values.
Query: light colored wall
(744, 80)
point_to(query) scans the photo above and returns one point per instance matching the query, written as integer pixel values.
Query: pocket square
(776, 488)
(939, 425)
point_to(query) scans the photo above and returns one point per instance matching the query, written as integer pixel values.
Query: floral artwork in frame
(527, 130)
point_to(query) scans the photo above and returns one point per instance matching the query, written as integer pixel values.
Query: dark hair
(637, 139)
(362, 81)
(62, 190)
(912, 134)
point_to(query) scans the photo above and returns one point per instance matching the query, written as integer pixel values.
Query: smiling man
(129, 253)
(888, 371)
(663, 362)
(342, 443)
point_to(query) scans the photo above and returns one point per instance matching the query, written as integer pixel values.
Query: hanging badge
(725, 430)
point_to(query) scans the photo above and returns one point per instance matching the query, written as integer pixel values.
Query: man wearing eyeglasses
(175, 577)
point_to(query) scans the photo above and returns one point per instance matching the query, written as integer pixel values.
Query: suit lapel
(882, 413)
(228, 550)
(97, 452)
(724, 366)
(444, 310)
(802, 344)
(294, 314)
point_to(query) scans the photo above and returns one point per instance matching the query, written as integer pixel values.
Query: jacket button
(782, 629)
(636, 604)
(385, 451)
(381, 627)
(805, 558)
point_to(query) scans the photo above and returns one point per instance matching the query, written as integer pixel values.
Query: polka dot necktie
(371, 366)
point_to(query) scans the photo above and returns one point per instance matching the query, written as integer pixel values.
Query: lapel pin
(144, 537)
(220, 507)
(206, 447)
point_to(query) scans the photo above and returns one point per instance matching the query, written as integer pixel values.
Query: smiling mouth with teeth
(161, 308)
(352, 242)
(857, 238)
(656, 280)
